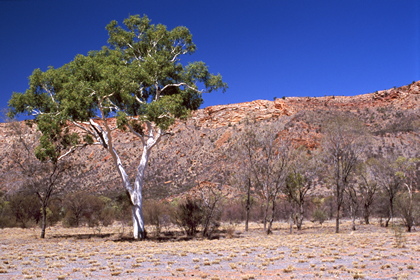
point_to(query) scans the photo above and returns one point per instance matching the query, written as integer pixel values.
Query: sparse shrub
(82, 207)
(156, 213)
(399, 236)
(54, 212)
(230, 230)
(189, 216)
(319, 215)
(408, 208)
(233, 211)
(107, 211)
(6, 219)
(122, 207)
(25, 208)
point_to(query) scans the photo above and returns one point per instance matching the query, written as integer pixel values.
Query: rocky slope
(188, 157)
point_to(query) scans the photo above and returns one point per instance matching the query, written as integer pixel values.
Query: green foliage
(189, 215)
(319, 215)
(139, 78)
(295, 182)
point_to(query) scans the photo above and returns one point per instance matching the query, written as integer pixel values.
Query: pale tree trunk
(136, 195)
(138, 220)
(149, 140)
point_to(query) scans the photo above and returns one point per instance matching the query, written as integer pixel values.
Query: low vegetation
(317, 252)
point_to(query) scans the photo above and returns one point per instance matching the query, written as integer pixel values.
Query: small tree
(267, 156)
(40, 159)
(353, 202)
(241, 175)
(342, 146)
(409, 173)
(301, 178)
(385, 171)
(319, 214)
(367, 187)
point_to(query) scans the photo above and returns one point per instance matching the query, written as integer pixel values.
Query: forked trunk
(136, 194)
(270, 223)
(135, 191)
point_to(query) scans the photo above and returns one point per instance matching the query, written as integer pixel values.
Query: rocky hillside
(189, 155)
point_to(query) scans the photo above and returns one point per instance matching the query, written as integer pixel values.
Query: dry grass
(313, 253)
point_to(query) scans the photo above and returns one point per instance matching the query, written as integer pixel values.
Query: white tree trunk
(153, 136)
(136, 195)
(138, 220)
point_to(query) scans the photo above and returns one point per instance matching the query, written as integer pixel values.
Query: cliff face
(392, 116)
(403, 98)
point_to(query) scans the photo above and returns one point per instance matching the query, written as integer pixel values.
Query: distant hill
(187, 156)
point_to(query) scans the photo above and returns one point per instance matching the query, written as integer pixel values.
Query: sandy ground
(316, 252)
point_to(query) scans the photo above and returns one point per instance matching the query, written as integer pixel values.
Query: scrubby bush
(84, 208)
(189, 216)
(25, 208)
(319, 215)
(156, 213)
(233, 211)
(408, 208)
(122, 207)
(6, 219)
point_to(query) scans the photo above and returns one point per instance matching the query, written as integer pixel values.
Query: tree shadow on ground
(177, 236)
(83, 235)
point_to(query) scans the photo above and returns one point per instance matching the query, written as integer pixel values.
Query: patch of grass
(289, 269)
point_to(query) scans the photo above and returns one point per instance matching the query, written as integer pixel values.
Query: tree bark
(366, 213)
(248, 205)
(135, 191)
(43, 220)
(270, 223)
(337, 219)
(136, 195)
(138, 220)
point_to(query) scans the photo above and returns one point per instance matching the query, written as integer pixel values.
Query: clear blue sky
(263, 49)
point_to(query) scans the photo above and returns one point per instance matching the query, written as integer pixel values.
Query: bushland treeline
(261, 171)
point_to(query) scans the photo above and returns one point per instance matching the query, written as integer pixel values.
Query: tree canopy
(138, 75)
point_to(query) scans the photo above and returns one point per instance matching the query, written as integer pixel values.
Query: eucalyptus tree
(302, 177)
(138, 78)
(42, 170)
(343, 147)
(408, 172)
(266, 158)
(241, 152)
(385, 172)
(367, 186)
